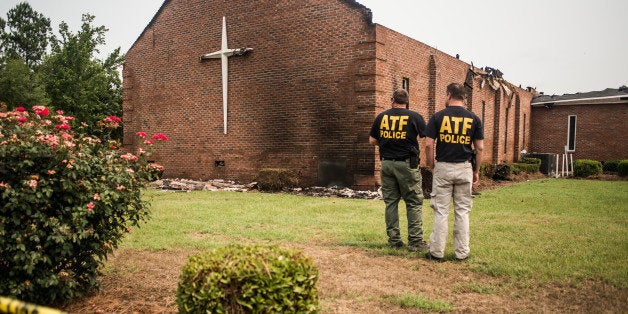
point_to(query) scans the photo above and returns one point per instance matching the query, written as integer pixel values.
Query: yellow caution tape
(12, 306)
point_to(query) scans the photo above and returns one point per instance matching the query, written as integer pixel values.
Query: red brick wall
(298, 101)
(303, 99)
(600, 129)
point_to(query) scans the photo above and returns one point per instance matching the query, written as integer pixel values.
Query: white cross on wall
(224, 53)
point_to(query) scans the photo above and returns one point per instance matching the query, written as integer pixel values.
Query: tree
(20, 86)
(27, 37)
(77, 82)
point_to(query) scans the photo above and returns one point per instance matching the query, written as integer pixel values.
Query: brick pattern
(304, 99)
(598, 128)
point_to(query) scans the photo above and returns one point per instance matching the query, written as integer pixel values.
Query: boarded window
(571, 134)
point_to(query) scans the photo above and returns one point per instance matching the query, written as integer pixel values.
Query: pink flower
(121, 187)
(62, 127)
(96, 197)
(21, 120)
(20, 109)
(33, 183)
(160, 137)
(41, 110)
(51, 172)
(112, 119)
(59, 112)
(157, 167)
(129, 156)
(141, 134)
(4, 185)
(149, 142)
(90, 206)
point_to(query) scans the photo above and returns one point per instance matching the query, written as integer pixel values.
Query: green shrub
(610, 165)
(487, 170)
(622, 168)
(586, 167)
(502, 172)
(529, 160)
(66, 200)
(248, 279)
(525, 167)
(276, 179)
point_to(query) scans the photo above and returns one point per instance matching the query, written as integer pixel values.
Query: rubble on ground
(225, 185)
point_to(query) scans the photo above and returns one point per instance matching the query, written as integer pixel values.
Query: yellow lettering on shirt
(456, 122)
(466, 125)
(394, 120)
(445, 126)
(403, 121)
(392, 127)
(454, 130)
(384, 124)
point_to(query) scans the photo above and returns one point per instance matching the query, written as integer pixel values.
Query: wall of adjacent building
(600, 129)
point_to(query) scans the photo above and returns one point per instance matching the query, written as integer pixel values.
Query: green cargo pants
(400, 181)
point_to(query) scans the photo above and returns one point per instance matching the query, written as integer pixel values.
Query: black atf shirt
(396, 131)
(454, 129)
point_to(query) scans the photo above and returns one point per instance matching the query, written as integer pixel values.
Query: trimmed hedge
(611, 165)
(622, 168)
(273, 180)
(586, 167)
(248, 279)
(525, 167)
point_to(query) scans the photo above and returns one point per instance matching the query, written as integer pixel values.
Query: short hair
(456, 91)
(400, 96)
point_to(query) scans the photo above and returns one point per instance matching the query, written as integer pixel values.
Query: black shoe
(429, 256)
(462, 259)
(396, 245)
(420, 246)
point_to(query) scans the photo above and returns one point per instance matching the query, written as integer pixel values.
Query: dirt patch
(352, 280)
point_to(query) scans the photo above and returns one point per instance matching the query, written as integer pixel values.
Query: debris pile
(224, 185)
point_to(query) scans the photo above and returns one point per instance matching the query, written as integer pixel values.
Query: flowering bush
(66, 201)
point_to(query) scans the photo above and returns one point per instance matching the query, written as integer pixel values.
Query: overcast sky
(557, 46)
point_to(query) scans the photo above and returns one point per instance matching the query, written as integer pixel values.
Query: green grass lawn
(544, 230)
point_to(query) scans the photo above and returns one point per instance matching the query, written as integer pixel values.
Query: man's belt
(395, 159)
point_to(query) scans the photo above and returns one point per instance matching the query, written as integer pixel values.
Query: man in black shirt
(396, 132)
(456, 131)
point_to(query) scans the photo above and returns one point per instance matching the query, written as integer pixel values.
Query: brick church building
(300, 83)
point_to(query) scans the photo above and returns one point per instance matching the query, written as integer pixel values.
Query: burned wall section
(298, 101)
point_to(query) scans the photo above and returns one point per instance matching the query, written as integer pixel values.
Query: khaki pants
(451, 179)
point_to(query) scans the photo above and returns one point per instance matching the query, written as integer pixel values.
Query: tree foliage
(20, 85)
(77, 82)
(27, 36)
